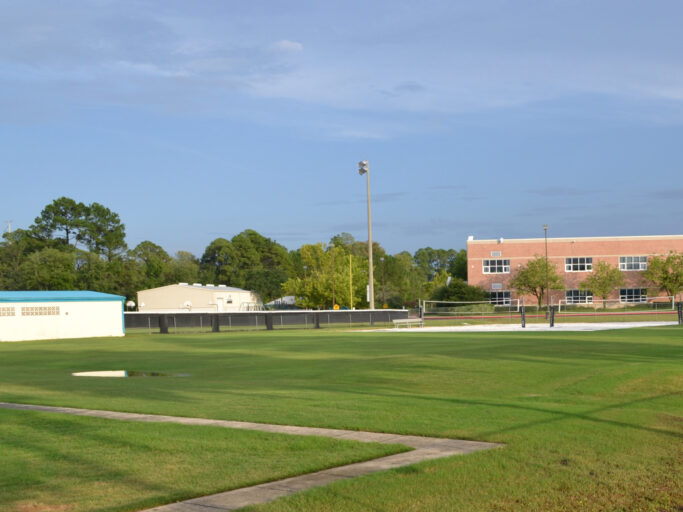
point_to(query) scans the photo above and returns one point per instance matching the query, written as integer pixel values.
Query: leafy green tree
(666, 273)
(297, 266)
(101, 231)
(344, 241)
(603, 280)
(360, 250)
(49, 269)
(531, 278)
(91, 272)
(121, 276)
(124, 276)
(432, 261)
(184, 268)
(459, 290)
(392, 279)
(250, 261)
(219, 262)
(63, 216)
(261, 264)
(440, 279)
(398, 282)
(313, 288)
(457, 267)
(155, 263)
(408, 279)
(14, 250)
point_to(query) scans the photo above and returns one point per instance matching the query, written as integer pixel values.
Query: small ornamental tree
(666, 273)
(603, 280)
(532, 278)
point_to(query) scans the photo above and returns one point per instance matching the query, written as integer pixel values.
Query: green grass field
(591, 420)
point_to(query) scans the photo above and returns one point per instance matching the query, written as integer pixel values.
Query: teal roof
(58, 296)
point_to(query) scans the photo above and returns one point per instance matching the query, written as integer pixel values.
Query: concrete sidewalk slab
(517, 327)
(425, 448)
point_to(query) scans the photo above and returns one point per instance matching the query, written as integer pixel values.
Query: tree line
(74, 246)
(77, 246)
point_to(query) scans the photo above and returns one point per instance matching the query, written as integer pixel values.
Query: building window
(578, 264)
(7, 311)
(496, 266)
(579, 296)
(631, 295)
(632, 262)
(500, 298)
(40, 311)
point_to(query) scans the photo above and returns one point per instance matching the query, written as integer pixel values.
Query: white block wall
(87, 319)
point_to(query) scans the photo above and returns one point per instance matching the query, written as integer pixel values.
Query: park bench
(408, 322)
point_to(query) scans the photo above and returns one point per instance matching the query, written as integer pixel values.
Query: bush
(459, 290)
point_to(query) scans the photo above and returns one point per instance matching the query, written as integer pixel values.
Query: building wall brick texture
(608, 249)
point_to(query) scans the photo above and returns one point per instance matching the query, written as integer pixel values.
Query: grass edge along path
(424, 448)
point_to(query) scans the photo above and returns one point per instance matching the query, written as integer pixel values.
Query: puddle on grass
(124, 373)
(135, 373)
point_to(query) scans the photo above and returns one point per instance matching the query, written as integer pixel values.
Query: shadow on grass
(559, 415)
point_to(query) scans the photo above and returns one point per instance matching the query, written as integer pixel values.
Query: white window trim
(589, 297)
(642, 297)
(642, 265)
(503, 301)
(506, 268)
(568, 266)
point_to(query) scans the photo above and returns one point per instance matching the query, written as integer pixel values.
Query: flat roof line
(574, 238)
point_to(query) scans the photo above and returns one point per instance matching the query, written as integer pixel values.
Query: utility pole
(547, 286)
(350, 281)
(364, 168)
(331, 248)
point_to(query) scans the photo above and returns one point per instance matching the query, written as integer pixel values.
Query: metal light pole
(384, 284)
(364, 168)
(350, 281)
(547, 287)
(331, 246)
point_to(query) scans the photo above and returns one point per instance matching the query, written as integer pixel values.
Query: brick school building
(491, 264)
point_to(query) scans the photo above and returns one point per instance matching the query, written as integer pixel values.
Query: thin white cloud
(144, 68)
(287, 46)
(351, 133)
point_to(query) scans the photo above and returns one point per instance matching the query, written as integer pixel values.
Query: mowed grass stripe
(75, 463)
(423, 448)
(591, 420)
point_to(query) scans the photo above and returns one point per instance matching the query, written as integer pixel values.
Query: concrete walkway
(425, 448)
(517, 327)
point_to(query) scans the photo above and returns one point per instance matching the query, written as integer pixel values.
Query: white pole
(364, 168)
(370, 269)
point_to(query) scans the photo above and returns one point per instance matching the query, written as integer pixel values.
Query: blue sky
(195, 120)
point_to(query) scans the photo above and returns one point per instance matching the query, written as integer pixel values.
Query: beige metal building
(207, 298)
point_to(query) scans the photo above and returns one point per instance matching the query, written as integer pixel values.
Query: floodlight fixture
(363, 167)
